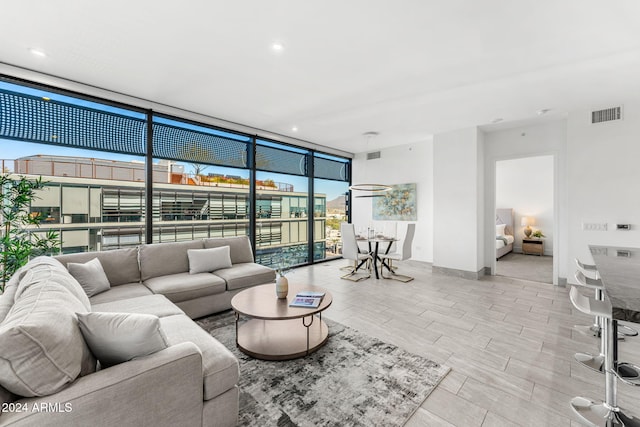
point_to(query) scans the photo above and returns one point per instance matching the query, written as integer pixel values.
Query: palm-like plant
(17, 243)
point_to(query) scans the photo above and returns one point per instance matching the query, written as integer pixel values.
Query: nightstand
(533, 246)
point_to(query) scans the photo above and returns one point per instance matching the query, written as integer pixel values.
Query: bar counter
(619, 269)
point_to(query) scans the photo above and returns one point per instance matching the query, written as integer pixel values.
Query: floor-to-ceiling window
(112, 182)
(282, 204)
(91, 156)
(330, 209)
(203, 187)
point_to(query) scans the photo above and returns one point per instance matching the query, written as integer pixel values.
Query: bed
(504, 232)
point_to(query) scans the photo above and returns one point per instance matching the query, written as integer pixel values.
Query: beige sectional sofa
(191, 382)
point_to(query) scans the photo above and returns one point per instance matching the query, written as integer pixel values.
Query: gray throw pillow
(41, 347)
(208, 260)
(91, 276)
(118, 337)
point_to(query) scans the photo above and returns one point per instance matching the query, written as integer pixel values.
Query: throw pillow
(118, 337)
(208, 260)
(500, 229)
(41, 347)
(91, 276)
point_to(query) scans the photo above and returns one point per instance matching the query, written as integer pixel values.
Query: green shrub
(17, 242)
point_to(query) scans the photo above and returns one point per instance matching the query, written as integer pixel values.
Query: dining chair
(404, 254)
(351, 252)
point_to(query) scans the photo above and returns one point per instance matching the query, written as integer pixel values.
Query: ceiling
(407, 69)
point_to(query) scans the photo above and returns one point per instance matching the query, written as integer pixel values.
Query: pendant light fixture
(376, 190)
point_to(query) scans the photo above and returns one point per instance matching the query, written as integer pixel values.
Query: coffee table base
(281, 339)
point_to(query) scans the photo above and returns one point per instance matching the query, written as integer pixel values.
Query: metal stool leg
(606, 413)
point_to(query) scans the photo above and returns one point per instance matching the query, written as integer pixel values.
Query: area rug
(354, 380)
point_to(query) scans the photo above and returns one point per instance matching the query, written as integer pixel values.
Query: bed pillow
(208, 260)
(500, 229)
(91, 276)
(118, 337)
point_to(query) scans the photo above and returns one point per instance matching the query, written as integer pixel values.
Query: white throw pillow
(499, 230)
(91, 276)
(118, 337)
(208, 260)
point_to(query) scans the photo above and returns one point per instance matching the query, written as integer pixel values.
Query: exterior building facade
(99, 204)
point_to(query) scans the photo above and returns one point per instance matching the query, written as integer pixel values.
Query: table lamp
(526, 223)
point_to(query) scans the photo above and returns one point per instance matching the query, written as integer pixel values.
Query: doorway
(524, 248)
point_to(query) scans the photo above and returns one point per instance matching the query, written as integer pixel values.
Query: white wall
(596, 167)
(526, 186)
(547, 138)
(405, 164)
(604, 178)
(480, 200)
(457, 200)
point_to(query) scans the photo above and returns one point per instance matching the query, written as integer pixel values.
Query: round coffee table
(275, 331)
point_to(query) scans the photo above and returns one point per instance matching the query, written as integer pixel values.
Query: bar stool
(596, 362)
(605, 413)
(595, 283)
(588, 269)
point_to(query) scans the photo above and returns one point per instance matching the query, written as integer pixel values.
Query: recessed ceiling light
(37, 52)
(497, 120)
(277, 46)
(543, 111)
(294, 129)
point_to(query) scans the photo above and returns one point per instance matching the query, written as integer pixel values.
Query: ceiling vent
(606, 115)
(373, 155)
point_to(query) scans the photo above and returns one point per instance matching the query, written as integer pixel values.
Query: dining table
(619, 271)
(374, 243)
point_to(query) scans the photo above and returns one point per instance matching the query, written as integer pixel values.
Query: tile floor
(527, 267)
(509, 343)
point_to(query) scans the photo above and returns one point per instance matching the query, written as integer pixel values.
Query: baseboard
(470, 275)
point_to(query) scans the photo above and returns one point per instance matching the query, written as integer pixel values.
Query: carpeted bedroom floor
(527, 267)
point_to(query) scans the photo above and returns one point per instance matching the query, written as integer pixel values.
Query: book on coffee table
(308, 299)
(310, 294)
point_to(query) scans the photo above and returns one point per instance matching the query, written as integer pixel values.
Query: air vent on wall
(373, 155)
(606, 115)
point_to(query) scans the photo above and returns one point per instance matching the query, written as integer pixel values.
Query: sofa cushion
(220, 367)
(11, 287)
(244, 275)
(157, 305)
(91, 276)
(208, 260)
(240, 247)
(8, 296)
(121, 292)
(118, 337)
(41, 346)
(6, 396)
(184, 286)
(120, 265)
(48, 270)
(162, 259)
